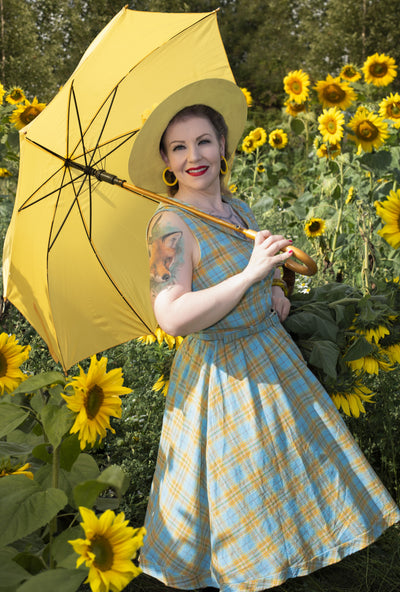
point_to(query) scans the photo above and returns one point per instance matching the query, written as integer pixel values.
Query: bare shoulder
(170, 245)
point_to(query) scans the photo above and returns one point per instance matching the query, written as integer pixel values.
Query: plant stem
(54, 483)
(340, 214)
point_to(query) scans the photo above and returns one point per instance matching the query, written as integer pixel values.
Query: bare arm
(173, 254)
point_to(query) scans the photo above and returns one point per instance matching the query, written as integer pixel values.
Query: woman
(258, 479)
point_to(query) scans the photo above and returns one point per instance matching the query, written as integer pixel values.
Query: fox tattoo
(164, 252)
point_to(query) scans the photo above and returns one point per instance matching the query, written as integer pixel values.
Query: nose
(194, 153)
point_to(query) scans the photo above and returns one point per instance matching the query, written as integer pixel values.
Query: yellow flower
(296, 85)
(96, 398)
(16, 95)
(260, 168)
(8, 469)
(370, 130)
(389, 211)
(160, 336)
(351, 400)
(350, 73)
(12, 356)
(248, 145)
(249, 98)
(108, 549)
(371, 333)
(332, 92)
(278, 139)
(233, 188)
(147, 339)
(315, 227)
(329, 151)
(26, 113)
(393, 353)
(2, 92)
(379, 69)
(371, 364)
(350, 194)
(4, 172)
(259, 136)
(389, 108)
(293, 108)
(331, 123)
(161, 385)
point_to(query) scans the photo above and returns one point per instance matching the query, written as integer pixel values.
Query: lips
(197, 171)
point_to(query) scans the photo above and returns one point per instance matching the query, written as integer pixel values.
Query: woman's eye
(204, 141)
(178, 147)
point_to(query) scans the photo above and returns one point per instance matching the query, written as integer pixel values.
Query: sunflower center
(277, 140)
(349, 71)
(296, 87)
(3, 365)
(394, 110)
(102, 549)
(315, 226)
(29, 114)
(367, 131)
(94, 401)
(378, 70)
(334, 93)
(331, 127)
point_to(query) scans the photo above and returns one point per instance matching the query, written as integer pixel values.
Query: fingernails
(290, 240)
(290, 252)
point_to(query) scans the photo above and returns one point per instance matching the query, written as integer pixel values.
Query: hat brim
(145, 162)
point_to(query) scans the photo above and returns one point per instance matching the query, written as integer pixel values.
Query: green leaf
(12, 574)
(377, 162)
(11, 449)
(115, 477)
(324, 355)
(360, 348)
(62, 552)
(69, 451)
(57, 421)
(310, 324)
(26, 507)
(85, 494)
(62, 580)
(44, 380)
(297, 126)
(11, 416)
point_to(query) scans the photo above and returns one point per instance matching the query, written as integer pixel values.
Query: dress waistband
(227, 335)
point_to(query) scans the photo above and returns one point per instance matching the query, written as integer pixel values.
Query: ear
(164, 157)
(222, 146)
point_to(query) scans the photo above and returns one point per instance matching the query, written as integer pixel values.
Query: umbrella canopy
(75, 255)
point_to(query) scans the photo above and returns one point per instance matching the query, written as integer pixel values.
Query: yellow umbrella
(75, 255)
(72, 257)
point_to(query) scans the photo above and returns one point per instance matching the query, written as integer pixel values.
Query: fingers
(273, 243)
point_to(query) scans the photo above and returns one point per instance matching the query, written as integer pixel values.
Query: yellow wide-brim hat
(145, 163)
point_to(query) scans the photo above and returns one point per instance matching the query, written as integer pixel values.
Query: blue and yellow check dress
(258, 479)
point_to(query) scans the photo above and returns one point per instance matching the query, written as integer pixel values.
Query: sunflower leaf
(56, 422)
(11, 416)
(27, 507)
(64, 580)
(34, 383)
(324, 355)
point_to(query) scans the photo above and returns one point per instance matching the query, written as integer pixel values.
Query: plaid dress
(258, 479)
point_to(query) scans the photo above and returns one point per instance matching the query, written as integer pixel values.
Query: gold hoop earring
(164, 176)
(224, 166)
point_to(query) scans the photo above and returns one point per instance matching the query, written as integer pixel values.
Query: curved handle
(309, 267)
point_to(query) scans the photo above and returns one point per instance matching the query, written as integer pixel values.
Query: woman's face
(193, 153)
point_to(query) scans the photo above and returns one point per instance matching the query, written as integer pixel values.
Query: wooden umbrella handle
(309, 266)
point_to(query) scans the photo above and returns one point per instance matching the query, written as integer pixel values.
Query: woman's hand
(280, 304)
(266, 255)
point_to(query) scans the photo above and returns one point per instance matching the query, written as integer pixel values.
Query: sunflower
(393, 353)
(379, 69)
(371, 364)
(296, 85)
(96, 398)
(328, 150)
(389, 211)
(162, 385)
(161, 336)
(293, 108)
(248, 145)
(315, 227)
(2, 92)
(12, 356)
(370, 130)
(26, 112)
(233, 188)
(108, 549)
(351, 399)
(331, 123)
(389, 108)
(333, 92)
(4, 172)
(248, 97)
(7, 468)
(15, 95)
(350, 73)
(278, 139)
(259, 135)
(260, 168)
(350, 195)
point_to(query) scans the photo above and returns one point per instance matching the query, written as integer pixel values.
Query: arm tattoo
(165, 245)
